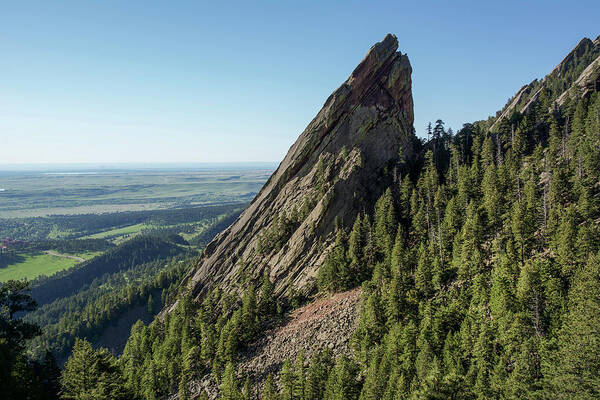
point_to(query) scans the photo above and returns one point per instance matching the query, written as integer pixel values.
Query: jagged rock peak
(338, 167)
(584, 45)
(586, 54)
(382, 58)
(377, 56)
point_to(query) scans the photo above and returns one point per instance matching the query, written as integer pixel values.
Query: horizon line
(4, 167)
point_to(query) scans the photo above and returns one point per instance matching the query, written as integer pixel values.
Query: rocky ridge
(583, 82)
(337, 168)
(588, 81)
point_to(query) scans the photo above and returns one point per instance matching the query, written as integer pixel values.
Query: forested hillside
(140, 291)
(480, 279)
(139, 250)
(479, 275)
(98, 300)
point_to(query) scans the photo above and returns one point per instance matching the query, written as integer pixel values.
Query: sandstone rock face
(524, 92)
(582, 47)
(589, 79)
(337, 168)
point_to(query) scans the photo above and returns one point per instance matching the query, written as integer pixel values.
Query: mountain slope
(579, 70)
(477, 262)
(332, 172)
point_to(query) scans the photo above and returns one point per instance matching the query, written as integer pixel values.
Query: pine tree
(565, 241)
(16, 371)
(300, 375)
(577, 363)
(208, 342)
(270, 391)
(91, 374)
(424, 271)
(431, 385)
(247, 390)
(400, 294)
(191, 365)
(248, 315)
(184, 388)
(530, 293)
(229, 386)
(492, 197)
(385, 224)
(487, 153)
(372, 324)
(374, 384)
(483, 363)
(266, 304)
(356, 244)
(342, 384)
(317, 374)
(334, 274)
(470, 259)
(288, 378)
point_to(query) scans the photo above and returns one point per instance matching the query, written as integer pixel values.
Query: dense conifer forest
(480, 279)
(97, 300)
(479, 272)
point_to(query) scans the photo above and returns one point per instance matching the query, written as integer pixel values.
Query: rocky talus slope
(333, 171)
(323, 323)
(327, 322)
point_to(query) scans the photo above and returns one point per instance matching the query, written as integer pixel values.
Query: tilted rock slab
(339, 165)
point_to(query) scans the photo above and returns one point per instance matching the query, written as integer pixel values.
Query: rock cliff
(358, 142)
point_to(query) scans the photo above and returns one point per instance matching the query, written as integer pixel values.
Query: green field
(126, 230)
(36, 264)
(111, 205)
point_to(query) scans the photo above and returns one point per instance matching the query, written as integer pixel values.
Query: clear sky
(178, 81)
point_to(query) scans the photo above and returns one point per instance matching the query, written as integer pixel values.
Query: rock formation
(587, 82)
(358, 142)
(579, 71)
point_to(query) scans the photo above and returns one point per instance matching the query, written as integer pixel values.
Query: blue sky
(176, 81)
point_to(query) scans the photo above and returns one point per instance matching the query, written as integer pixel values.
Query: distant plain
(40, 193)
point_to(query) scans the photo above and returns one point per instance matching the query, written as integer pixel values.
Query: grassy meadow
(32, 265)
(118, 232)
